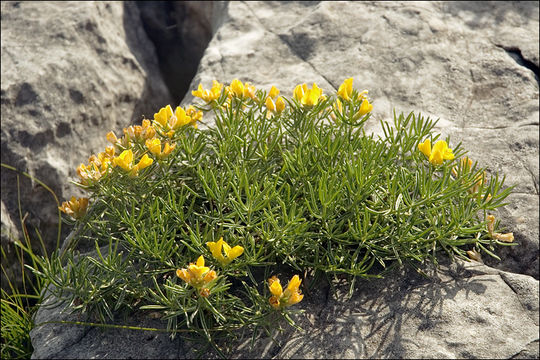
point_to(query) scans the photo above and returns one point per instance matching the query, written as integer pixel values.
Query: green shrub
(192, 223)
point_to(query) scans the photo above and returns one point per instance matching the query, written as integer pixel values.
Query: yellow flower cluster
(154, 146)
(209, 95)
(230, 253)
(76, 208)
(198, 276)
(308, 97)
(290, 296)
(125, 161)
(168, 122)
(148, 137)
(243, 91)
(97, 166)
(440, 151)
(272, 104)
(345, 93)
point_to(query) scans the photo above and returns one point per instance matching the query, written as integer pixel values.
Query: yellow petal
(235, 252)
(294, 284)
(215, 249)
(237, 88)
(270, 104)
(154, 145)
(345, 89)
(474, 255)
(199, 92)
(436, 157)
(425, 147)
(365, 108)
(276, 289)
(295, 298)
(211, 275)
(167, 149)
(226, 247)
(124, 160)
(197, 272)
(440, 146)
(274, 301)
(162, 117)
(490, 224)
(145, 162)
(112, 138)
(280, 104)
(272, 279)
(298, 92)
(448, 154)
(200, 261)
(273, 92)
(338, 106)
(183, 274)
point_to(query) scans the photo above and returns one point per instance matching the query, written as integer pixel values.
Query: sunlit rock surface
(474, 66)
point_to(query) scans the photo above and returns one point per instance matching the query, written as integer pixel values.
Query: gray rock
(70, 73)
(468, 64)
(464, 310)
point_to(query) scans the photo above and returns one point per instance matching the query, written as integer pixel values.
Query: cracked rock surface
(455, 61)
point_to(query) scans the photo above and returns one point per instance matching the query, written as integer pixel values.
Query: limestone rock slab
(71, 72)
(448, 60)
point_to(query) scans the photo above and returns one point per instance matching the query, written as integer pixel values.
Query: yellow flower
(163, 115)
(440, 151)
(208, 95)
(138, 132)
(237, 88)
(345, 89)
(194, 114)
(181, 118)
(145, 162)
(365, 108)
(76, 208)
(98, 166)
(112, 138)
(89, 173)
(280, 105)
(154, 145)
(230, 253)
(273, 92)
(125, 161)
(270, 104)
(169, 121)
(508, 237)
(425, 147)
(290, 296)
(275, 107)
(197, 275)
(308, 97)
(363, 95)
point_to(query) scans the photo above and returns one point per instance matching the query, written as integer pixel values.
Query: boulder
(71, 72)
(474, 66)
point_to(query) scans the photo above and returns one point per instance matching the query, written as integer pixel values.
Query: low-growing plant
(202, 226)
